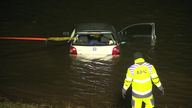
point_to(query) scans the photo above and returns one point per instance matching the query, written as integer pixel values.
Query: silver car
(102, 39)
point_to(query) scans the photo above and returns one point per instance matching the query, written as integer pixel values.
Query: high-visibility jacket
(140, 75)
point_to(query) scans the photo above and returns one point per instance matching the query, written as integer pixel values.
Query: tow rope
(60, 38)
(44, 39)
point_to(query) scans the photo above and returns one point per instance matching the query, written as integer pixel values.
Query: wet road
(31, 71)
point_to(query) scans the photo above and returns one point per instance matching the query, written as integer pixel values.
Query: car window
(94, 39)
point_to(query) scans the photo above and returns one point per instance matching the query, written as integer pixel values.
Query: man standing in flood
(140, 75)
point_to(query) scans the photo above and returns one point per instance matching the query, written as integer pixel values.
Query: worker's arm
(156, 79)
(128, 80)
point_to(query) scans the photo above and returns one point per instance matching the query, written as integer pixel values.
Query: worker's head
(137, 55)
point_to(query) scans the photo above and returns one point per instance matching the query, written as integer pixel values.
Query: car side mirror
(65, 33)
(123, 42)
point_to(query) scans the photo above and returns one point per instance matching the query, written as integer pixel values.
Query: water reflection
(92, 78)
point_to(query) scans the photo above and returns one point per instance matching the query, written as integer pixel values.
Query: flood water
(32, 71)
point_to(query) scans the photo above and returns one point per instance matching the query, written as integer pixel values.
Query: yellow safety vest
(140, 75)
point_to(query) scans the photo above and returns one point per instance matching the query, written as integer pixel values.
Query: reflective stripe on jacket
(140, 75)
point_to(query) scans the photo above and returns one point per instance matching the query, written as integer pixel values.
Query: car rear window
(94, 39)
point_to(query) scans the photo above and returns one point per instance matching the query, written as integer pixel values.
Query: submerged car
(102, 39)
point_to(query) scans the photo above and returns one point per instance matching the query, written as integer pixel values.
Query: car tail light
(73, 50)
(116, 51)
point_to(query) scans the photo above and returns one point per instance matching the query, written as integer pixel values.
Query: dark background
(31, 71)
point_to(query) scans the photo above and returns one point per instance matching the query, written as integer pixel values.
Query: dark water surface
(31, 71)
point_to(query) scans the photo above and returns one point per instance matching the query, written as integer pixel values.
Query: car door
(146, 30)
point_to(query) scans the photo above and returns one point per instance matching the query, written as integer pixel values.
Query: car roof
(94, 27)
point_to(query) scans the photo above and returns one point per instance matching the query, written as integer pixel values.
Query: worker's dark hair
(137, 55)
